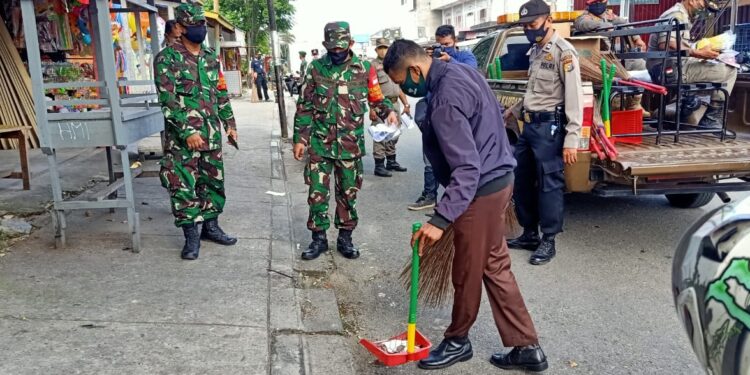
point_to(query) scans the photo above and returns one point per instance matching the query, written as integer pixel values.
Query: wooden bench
(19, 133)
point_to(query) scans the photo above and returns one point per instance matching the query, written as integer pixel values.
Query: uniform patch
(549, 57)
(567, 63)
(547, 65)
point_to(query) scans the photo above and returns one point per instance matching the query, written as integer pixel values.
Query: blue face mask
(535, 35)
(597, 9)
(195, 34)
(450, 50)
(414, 89)
(338, 58)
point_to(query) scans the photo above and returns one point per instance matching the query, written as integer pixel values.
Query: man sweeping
(463, 137)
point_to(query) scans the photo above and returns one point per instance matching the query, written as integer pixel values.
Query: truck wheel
(692, 200)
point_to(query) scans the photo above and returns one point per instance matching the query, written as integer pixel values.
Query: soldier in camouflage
(192, 170)
(330, 124)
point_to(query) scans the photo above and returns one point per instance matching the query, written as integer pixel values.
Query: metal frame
(123, 120)
(679, 89)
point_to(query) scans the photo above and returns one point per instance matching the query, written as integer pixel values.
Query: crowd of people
(466, 149)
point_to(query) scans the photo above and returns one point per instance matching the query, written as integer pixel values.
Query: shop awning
(216, 18)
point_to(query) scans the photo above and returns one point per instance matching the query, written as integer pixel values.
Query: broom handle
(411, 331)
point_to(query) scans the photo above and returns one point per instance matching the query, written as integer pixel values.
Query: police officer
(330, 123)
(552, 112)
(697, 67)
(192, 170)
(386, 149)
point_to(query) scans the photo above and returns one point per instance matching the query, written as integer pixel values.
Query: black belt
(536, 117)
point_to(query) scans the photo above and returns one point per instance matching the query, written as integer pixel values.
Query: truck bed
(694, 155)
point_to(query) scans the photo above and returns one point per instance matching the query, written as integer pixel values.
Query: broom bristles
(435, 286)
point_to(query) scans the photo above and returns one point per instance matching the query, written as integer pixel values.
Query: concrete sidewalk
(93, 308)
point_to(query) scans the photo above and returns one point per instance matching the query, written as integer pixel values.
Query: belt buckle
(527, 117)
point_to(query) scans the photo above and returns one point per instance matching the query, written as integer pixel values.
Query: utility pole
(217, 32)
(275, 50)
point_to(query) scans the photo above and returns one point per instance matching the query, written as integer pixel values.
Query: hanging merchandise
(14, 23)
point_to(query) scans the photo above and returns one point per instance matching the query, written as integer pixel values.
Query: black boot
(545, 252)
(380, 169)
(393, 165)
(345, 246)
(529, 358)
(192, 242)
(529, 240)
(714, 116)
(319, 245)
(212, 232)
(448, 353)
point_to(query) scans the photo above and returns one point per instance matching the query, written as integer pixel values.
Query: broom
(591, 69)
(435, 288)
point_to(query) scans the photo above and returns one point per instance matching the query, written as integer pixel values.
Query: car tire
(691, 200)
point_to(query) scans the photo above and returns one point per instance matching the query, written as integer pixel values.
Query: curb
(304, 320)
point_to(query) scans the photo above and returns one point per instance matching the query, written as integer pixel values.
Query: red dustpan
(417, 346)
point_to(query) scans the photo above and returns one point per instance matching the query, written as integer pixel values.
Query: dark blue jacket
(463, 137)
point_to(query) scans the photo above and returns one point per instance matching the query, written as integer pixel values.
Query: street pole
(275, 50)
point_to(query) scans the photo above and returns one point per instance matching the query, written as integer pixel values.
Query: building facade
(418, 20)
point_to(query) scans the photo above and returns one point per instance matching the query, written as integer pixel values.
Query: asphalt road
(602, 306)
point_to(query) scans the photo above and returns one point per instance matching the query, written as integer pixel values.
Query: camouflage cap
(189, 15)
(302, 53)
(337, 35)
(382, 42)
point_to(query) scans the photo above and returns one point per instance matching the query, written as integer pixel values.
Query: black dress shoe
(528, 241)
(529, 358)
(345, 246)
(448, 353)
(212, 232)
(319, 245)
(544, 253)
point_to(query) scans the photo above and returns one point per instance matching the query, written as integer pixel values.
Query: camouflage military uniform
(330, 122)
(192, 103)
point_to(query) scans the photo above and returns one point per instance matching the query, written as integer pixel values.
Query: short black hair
(445, 30)
(169, 26)
(400, 51)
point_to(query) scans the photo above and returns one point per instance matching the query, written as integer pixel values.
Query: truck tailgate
(696, 155)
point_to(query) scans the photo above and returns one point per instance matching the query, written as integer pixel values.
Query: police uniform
(693, 69)
(193, 105)
(386, 149)
(589, 22)
(552, 112)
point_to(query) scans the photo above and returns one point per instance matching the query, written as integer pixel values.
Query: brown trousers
(482, 256)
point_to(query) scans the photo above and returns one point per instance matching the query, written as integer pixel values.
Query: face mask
(414, 89)
(450, 50)
(535, 35)
(338, 58)
(597, 9)
(195, 34)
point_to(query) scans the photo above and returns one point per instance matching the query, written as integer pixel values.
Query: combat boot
(319, 245)
(545, 252)
(212, 232)
(714, 116)
(380, 169)
(529, 240)
(345, 246)
(393, 165)
(192, 242)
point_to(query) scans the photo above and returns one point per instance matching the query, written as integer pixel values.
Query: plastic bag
(722, 42)
(382, 132)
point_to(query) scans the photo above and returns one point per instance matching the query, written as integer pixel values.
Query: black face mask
(338, 58)
(597, 9)
(195, 34)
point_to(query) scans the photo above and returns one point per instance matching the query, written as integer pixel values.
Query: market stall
(231, 59)
(92, 87)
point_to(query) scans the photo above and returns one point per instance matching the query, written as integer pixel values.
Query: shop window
(483, 16)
